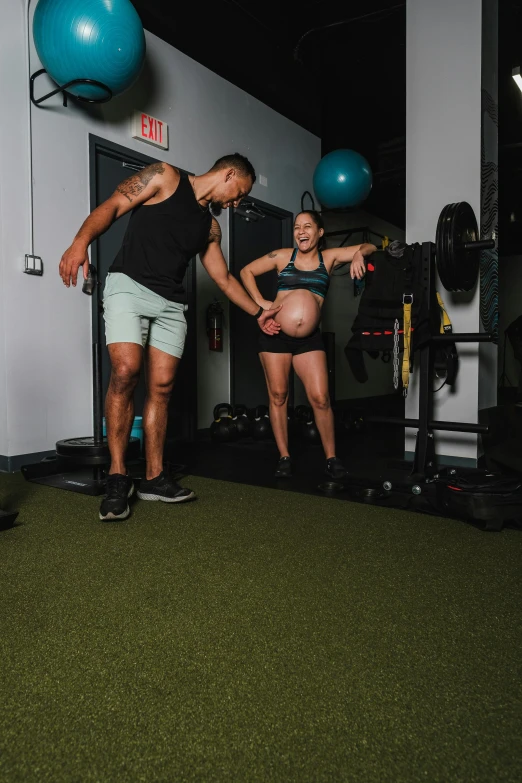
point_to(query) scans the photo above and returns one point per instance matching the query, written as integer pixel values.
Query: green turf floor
(255, 635)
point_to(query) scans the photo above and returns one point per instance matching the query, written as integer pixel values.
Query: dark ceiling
(338, 70)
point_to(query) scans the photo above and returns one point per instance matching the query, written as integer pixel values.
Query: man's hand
(72, 260)
(267, 323)
(358, 267)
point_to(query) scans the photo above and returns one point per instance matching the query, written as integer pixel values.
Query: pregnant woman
(303, 281)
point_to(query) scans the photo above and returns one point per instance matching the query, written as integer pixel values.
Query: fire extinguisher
(215, 326)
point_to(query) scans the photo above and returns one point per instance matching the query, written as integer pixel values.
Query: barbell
(458, 248)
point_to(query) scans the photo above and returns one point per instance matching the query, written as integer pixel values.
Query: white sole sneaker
(123, 515)
(163, 499)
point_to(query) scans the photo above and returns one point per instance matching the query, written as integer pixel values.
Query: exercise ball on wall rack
(90, 39)
(342, 179)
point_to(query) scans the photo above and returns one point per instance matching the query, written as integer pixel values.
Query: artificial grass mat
(255, 635)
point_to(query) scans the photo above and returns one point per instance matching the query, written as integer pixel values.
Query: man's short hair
(236, 161)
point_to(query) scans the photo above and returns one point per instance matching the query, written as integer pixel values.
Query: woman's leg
(277, 371)
(312, 370)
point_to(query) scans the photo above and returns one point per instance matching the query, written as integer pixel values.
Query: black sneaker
(116, 502)
(335, 469)
(164, 488)
(284, 468)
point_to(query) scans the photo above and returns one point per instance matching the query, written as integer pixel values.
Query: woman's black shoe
(284, 468)
(335, 469)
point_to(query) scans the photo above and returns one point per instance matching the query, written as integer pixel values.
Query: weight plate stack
(441, 249)
(458, 266)
(465, 230)
(84, 451)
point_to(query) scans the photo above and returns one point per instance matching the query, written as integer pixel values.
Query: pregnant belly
(300, 313)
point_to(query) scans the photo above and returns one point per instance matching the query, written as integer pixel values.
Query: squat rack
(424, 462)
(455, 255)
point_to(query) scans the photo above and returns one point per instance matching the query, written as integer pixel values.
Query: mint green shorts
(135, 314)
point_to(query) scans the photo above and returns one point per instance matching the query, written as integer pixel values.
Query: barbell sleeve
(480, 244)
(444, 426)
(464, 337)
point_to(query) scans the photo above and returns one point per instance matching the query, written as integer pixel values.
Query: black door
(251, 239)
(110, 165)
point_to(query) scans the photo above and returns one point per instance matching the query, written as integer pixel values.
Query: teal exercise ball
(342, 178)
(101, 40)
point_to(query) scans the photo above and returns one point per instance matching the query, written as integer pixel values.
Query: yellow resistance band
(407, 341)
(445, 323)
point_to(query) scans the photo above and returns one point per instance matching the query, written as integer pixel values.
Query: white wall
(341, 307)
(48, 352)
(15, 239)
(443, 135)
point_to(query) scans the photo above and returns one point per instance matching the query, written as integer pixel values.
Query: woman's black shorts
(283, 343)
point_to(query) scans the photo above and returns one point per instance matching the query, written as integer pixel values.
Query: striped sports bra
(315, 280)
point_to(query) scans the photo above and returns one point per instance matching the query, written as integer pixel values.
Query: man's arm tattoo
(134, 185)
(272, 254)
(215, 232)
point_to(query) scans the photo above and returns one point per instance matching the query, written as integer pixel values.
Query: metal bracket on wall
(66, 94)
(249, 212)
(33, 265)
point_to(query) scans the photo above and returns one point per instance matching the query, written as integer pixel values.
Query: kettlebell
(344, 423)
(261, 428)
(223, 429)
(242, 422)
(309, 429)
(300, 415)
(358, 423)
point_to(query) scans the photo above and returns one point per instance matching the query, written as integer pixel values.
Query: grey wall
(488, 352)
(341, 308)
(45, 354)
(510, 307)
(443, 138)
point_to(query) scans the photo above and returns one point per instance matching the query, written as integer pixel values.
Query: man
(171, 222)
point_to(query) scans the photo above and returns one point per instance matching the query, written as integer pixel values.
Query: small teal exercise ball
(90, 39)
(342, 178)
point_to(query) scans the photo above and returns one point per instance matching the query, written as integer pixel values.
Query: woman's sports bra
(315, 280)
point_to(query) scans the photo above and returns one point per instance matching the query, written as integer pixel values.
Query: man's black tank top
(161, 239)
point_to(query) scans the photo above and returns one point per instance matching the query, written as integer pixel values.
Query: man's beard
(215, 208)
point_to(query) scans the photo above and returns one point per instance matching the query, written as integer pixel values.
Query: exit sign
(150, 129)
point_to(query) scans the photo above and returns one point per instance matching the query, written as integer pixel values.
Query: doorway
(110, 164)
(256, 228)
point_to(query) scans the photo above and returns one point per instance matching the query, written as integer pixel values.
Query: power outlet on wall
(263, 180)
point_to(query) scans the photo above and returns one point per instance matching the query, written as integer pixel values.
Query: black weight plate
(441, 249)
(458, 268)
(74, 447)
(83, 450)
(449, 266)
(465, 229)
